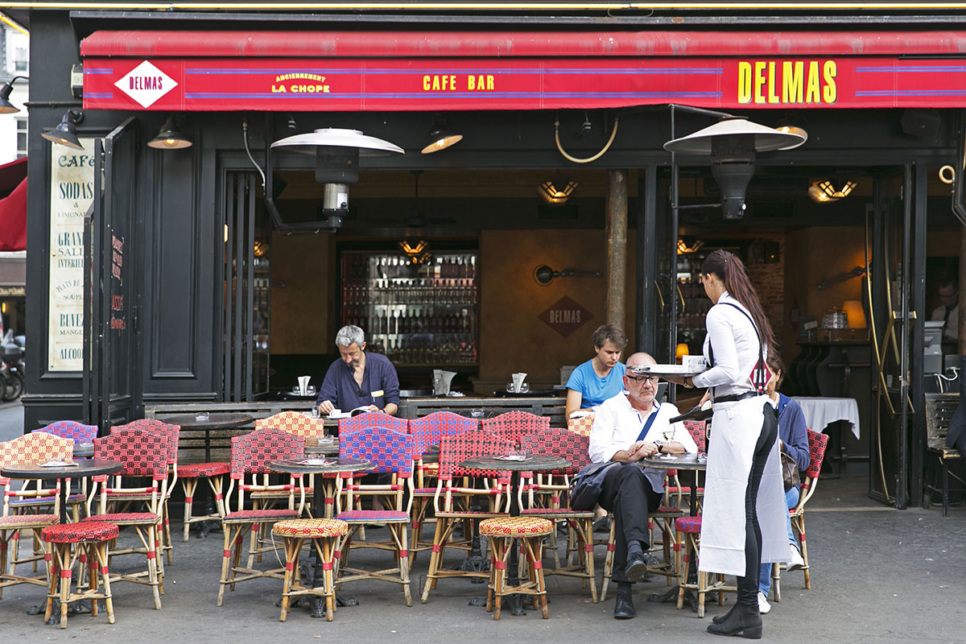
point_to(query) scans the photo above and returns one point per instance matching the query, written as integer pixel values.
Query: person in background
(627, 428)
(359, 378)
(948, 309)
(599, 378)
(744, 509)
(793, 440)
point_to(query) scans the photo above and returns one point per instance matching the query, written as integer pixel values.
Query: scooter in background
(11, 371)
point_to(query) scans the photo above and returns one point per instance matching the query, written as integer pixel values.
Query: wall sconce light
(169, 137)
(684, 249)
(418, 254)
(825, 192)
(732, 144)
(66, 133)
(6, 107)
(544, 274)
(556, 191)
(440, 137)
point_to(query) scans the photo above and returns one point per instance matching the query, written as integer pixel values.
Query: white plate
(512, 458)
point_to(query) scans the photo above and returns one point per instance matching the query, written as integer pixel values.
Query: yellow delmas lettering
(793, 84)
(744, 82)
(829, 94)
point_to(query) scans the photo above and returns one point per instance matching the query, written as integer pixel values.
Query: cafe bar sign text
(71, 195)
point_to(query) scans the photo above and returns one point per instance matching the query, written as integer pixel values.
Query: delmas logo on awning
(146, 84)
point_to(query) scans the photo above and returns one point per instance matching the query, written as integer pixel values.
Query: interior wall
(513, 338)
(303, 294)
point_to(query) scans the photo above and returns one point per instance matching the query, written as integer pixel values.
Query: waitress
(744, 500)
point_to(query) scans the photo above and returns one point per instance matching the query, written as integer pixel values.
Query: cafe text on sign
(566, 316)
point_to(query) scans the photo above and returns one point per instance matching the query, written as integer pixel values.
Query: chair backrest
(816, 447)
(373, 419)
(457, 448)
(429, 430)
(513, 425)
(251, 453)
(36, 447)
(698, 431)
(77, 432)
(560, 442)
(581, 425)
(293, 422)
(389, 451)
(173, 432)
(141, 452)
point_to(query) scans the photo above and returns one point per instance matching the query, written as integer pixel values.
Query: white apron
(735, 428)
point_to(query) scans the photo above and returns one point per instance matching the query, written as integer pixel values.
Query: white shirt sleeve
(602, 444)
(721, 336)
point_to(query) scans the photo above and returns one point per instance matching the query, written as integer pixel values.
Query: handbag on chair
(790, 474)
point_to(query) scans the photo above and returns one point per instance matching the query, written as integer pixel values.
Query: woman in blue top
(602, 376)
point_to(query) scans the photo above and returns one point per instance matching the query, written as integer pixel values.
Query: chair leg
(435, 558)
(189, 486)
(776, 581)
(292, 546)
(99, 550)
(609, 560)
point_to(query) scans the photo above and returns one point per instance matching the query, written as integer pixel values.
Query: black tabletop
(213, 420)
(320, 466)
(82, 467)
(681, 462)
(536, 463)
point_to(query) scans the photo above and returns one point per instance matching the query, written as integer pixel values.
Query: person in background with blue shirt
(601, 377)
(793, 440)
(358, 378)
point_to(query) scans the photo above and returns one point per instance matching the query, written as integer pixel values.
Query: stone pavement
(878, 575)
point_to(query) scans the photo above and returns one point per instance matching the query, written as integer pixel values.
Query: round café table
(535, 463)
(695, 463)
(208, 422)
(323, 488)
(81, 468)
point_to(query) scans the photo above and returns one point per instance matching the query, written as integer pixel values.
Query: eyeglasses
(650, 379)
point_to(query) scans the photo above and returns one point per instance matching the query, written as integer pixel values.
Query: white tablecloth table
(820, 412)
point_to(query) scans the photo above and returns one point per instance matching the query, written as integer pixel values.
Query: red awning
(13, 205)
(425, 71)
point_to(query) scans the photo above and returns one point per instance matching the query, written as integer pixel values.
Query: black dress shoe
(742, 620)
(636, 566)
(624, 606)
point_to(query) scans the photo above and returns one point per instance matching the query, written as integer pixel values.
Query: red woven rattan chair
(676, 492)
(391, 453)
(581, 425)
(513, 425)
(491, 486)
(251, 455)
(173, 432)
(556, 506)
(373, 419)
(28, 448)
(80, 434)
(817, 443)
(294, 422)
(427, 432)
(70, 543)
(143, 454)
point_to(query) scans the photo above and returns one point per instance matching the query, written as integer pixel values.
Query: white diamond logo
(146, 84)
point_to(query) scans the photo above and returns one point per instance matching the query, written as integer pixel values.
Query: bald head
(639, 359)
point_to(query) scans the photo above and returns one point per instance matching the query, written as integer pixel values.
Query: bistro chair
(294, 422)
(72, 542)
(173, 432)
(391, 453)
(581, 425)
(676, 492)
(251, 455)
(688, 530)
(491, 486)
(817, 444)
(555, 485)
(28, 448)
(373, 419)
(427, 433)
(80, 434)
(142, 453)
(513, 425)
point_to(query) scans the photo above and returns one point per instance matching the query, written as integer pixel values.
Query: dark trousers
(748, 584)
(628, 494)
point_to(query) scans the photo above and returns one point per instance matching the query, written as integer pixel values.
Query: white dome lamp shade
(732, 144)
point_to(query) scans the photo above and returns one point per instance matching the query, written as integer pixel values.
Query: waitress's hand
(678, 380)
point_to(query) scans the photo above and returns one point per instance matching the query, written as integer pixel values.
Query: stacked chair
(489, 486)
(251, 455)
(428, 432)
(143, 454)
(391, 453)
(79, 433)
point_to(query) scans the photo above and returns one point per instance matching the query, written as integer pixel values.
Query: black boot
(624, 606)
(718, 619)
(743, 620)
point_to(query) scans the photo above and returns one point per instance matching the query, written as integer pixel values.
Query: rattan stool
(70, 542)
(502, 531)
(325, 534)
(190, 476)
(690, 528)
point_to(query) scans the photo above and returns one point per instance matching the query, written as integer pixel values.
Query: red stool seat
(79, 532)
(196, 470)
(310, 528)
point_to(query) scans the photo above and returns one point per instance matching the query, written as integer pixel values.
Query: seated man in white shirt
(628, 428)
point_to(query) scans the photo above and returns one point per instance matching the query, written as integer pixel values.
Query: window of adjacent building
(21, 138)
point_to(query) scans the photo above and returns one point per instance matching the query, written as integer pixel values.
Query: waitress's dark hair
(732, 274)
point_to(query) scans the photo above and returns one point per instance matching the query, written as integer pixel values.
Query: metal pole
(616, 229)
